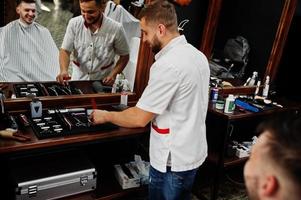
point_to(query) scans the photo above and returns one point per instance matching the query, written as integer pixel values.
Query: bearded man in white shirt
(175, 102)
(27, 50)
(95, 40)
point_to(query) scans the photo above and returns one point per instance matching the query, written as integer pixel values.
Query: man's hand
(109, 80)
(99, 116)
(63, 77)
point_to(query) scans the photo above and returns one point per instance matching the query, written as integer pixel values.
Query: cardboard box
(127, 176)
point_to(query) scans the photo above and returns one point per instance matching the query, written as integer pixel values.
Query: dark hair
(160, 11)
(284, 145)
(98, 2)
(25, 1)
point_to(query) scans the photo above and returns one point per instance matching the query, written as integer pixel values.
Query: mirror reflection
(245, 38)
(108, 50)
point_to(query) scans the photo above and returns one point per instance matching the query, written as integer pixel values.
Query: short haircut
(98, 2)
(25, 1)
(284, 144)
(161, 12)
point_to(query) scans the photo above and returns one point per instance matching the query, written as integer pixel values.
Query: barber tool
(64, 119)
(13, 134)
(12, 122)
(53, 90)
(65, 90)
(66, 110)
(79, 123)
(65, 122)
(24, 90)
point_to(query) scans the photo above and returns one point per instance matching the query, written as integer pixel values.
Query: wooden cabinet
(103, 148)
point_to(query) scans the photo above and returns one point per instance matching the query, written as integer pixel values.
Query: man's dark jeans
(170, 185)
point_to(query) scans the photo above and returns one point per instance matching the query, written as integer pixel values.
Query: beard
(93, 20)
(27, 19)
(156, 45)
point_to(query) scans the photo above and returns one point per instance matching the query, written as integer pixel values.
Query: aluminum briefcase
(52, 176)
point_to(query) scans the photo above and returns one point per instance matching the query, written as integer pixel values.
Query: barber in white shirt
(174, 101)
(94, 40)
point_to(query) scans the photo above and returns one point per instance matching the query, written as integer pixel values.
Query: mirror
(57, 28)
(191, 19)
(264, 24)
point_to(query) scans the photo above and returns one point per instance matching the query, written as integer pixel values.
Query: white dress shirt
(177, 92)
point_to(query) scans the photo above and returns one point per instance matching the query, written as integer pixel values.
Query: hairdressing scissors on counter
(13, 134)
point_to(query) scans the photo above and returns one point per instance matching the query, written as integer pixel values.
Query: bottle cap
(35, 99)
(31, 95)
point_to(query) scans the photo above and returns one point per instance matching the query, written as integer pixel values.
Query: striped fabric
(27, 53)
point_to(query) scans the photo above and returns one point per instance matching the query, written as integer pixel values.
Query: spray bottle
(36, 108)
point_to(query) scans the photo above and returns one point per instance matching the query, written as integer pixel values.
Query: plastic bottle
(36, 108)
(124, 92)
(116, 83)
(257, 88)
(229, 104)
(253, 79)
(214, 93)
(265, 91)
(2, 109)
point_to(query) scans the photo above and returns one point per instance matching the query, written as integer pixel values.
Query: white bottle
(253, 79)
(265, 91)
(257, 88)
(116, 84)
(229, 104)
(36, 108)
(124, 92)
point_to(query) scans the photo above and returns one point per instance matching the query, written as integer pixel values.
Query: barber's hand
(63, 77)
(98, 116)
(109, 80)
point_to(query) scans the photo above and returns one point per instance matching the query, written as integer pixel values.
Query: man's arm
(64, 65)
(120, 65)
(131, 118)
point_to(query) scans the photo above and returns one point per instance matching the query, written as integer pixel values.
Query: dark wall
(257, 21)
(196, 13)
(287, 82)
(1, 15)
